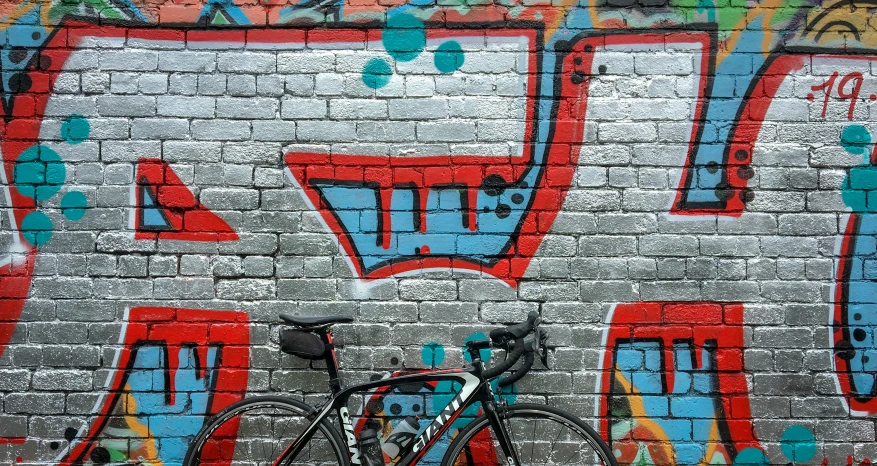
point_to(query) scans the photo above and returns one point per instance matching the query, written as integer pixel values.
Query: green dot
(404, 37)
(798, 444)
(751, 457)
(73, 205)
(855, 139)
(449, 57)
(39, 173)
(376, 73)
(433, 354)
(75, 129)
(37, 228)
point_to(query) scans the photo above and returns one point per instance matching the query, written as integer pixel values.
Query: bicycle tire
(477, 445)
(226, 438)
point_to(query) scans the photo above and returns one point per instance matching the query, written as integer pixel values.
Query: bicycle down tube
(472, 387)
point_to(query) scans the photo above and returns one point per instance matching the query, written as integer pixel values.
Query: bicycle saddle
(314, 321)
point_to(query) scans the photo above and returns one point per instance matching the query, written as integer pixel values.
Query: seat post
(331, 360)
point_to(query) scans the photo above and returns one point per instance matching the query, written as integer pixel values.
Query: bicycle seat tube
(331, 361)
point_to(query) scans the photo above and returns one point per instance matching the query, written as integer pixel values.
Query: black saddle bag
(302, 344)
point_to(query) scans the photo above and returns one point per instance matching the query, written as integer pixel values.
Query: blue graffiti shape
(442, 231)
(173, 407)
(859, 316)
(222, 13)
(706, 184)
(18, 52)
(677, 411)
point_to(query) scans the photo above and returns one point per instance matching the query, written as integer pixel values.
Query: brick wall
(684, 193)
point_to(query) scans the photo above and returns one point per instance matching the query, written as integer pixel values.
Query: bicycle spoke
(259, 434)
(563, 439)
(553, 442)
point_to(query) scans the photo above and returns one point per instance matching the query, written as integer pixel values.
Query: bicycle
(274, 430)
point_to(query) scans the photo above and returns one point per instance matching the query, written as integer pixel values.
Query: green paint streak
(219, 19)
(786, 11)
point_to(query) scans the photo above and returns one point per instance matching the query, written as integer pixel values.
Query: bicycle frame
(474, 390)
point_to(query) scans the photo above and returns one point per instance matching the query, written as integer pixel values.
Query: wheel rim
(259, 435)
(538, 438)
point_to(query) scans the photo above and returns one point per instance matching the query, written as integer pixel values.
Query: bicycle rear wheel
(256, 432)
(540, 435)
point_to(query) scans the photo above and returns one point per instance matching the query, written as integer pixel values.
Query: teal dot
(798, 444)
(449, 57)
(855, 139)
(37, 228)
(39, 173)
(75, 129)
(484, 353)
(73, 205)
(433, 354)
(376, 73)
(751, 457)
(404, 37)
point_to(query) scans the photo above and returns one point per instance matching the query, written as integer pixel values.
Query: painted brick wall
(684, 191)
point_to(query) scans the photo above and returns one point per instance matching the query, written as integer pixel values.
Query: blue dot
(855, 139)
(405, 37)
(433, 354)
(376, 73)
(751, 457)
(484, 353)
(37, 228)
(73, 205)
(449, 57)
(39, 173)
(798, 444)
(75, 129)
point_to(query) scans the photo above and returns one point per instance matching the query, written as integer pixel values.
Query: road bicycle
(280, 431)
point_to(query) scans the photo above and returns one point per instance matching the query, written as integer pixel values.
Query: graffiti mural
(675, 391)
(175, 368)
(705, 169)
(833, 90)
(386, 407)
(166, 207)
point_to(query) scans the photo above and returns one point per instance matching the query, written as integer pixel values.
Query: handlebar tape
(516, 331)
(520, 373)
(510, 361)
(497, 334)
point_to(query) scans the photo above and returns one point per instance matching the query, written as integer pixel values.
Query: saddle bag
(302, 344)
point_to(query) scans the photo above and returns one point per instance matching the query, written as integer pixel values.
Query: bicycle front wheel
(257, 431)
(540, 434)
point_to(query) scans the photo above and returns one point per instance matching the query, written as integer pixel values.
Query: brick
(129, 60)
(221, 130)
(191, 107)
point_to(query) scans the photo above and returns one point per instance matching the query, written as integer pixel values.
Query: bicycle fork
(499, 427)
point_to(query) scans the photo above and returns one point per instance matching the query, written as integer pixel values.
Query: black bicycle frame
(474, 389)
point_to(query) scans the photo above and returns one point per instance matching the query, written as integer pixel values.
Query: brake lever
(543, 347)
